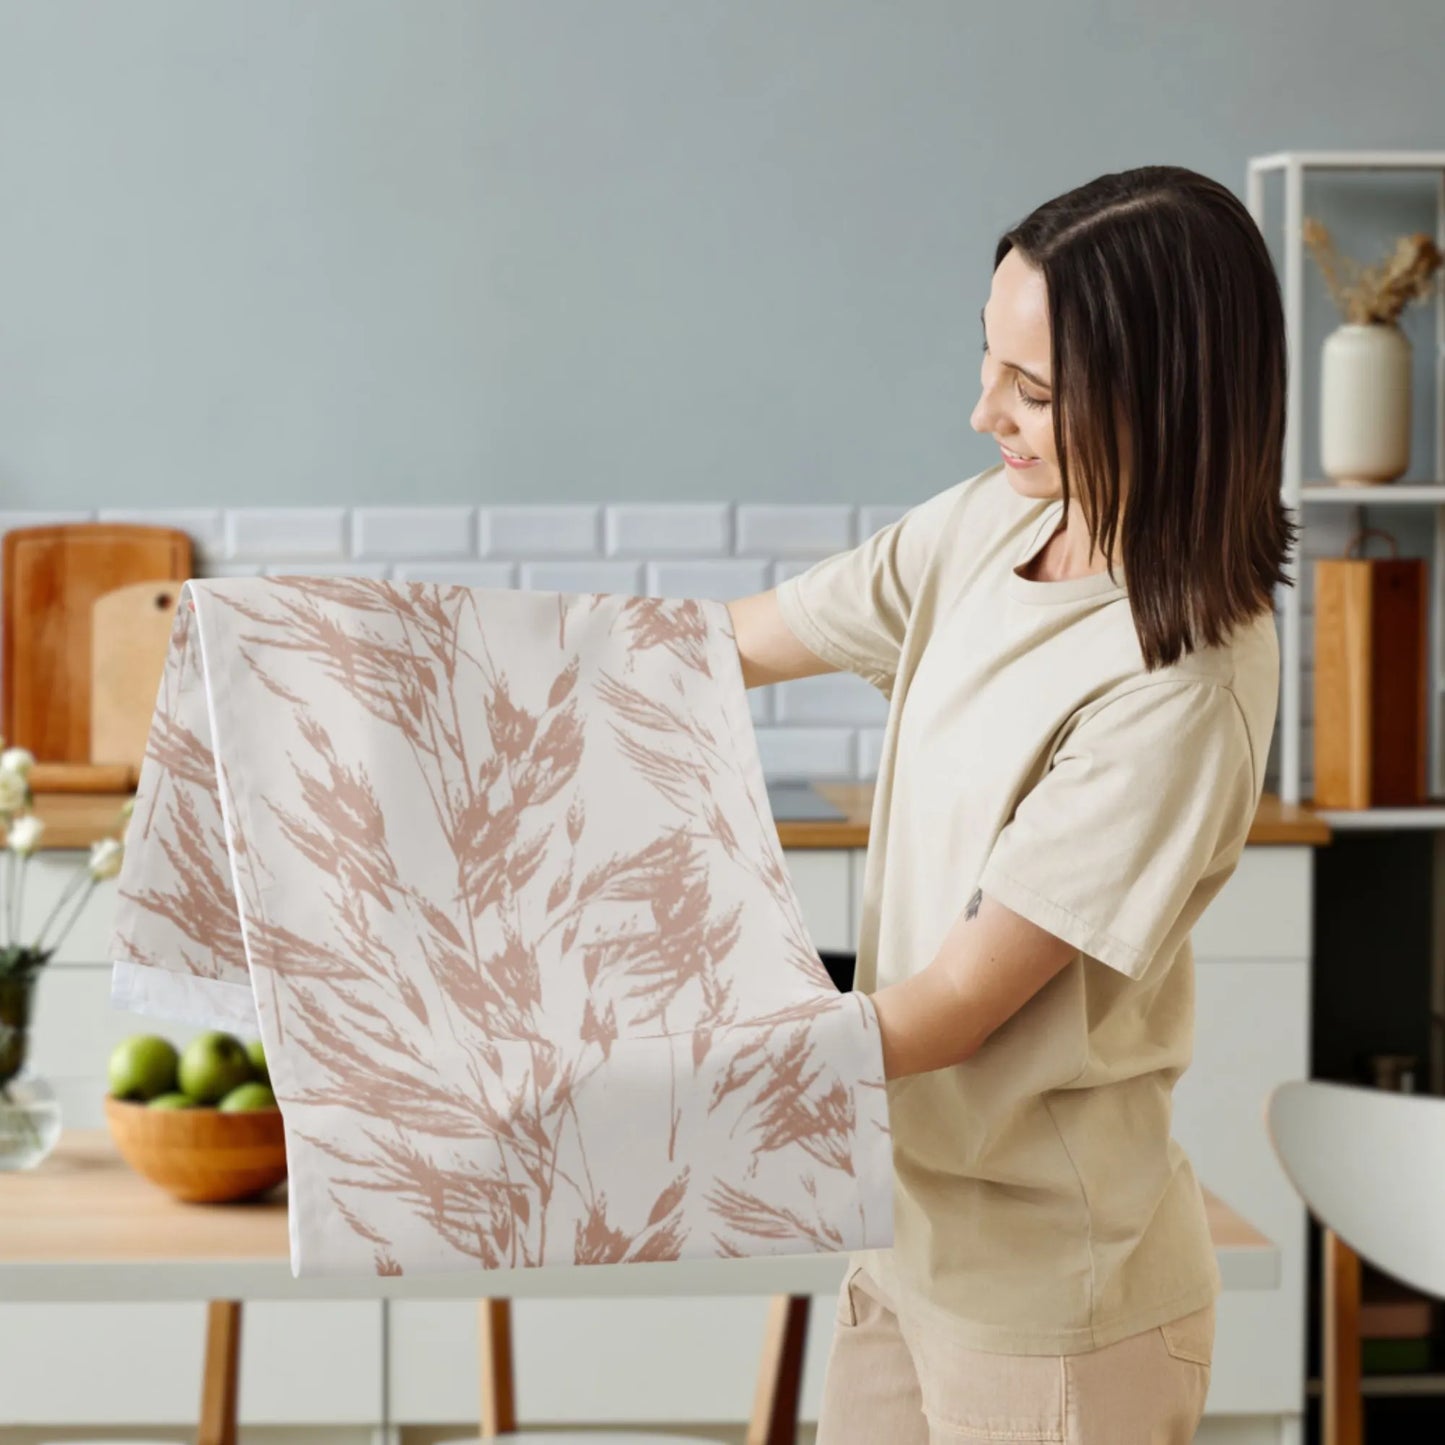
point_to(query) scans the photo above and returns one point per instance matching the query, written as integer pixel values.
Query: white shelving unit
(1303, 498)
(1300, 497)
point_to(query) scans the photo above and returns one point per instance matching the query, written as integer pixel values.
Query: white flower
(105, 858)
(24, 833)
(18, 760)
(12, 791)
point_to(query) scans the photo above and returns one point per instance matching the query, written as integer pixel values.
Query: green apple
(174, 1100)
(248, 1097)
(256, 1052)
(142, 1066)
(213, 1064)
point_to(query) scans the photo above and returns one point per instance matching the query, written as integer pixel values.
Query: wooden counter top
(76, 820)
(1274, 821)
(84, 1225)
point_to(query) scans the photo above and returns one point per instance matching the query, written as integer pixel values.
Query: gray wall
(350, 251)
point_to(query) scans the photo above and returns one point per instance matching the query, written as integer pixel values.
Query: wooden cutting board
(52, 578)
(1372, 688)
(129, 638)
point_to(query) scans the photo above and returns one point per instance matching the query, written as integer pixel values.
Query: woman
(1079, 649)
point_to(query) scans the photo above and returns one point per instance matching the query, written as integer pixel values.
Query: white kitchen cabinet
(822, 880)
(1252, 1021)
(47, 875)
(308, 1362)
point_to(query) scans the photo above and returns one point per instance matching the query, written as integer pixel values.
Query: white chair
(1369, 1164)
(220, 1381)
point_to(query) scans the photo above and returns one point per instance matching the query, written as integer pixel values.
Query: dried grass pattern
(186, 898)
(462, 1010)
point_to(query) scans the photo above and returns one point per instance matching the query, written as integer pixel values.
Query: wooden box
(1372, 739)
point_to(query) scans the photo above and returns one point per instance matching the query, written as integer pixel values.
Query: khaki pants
(895, 1384)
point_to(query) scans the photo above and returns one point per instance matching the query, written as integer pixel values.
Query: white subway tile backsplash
(828, 726)
(721, 580)
(806, 752)
(833, 697)
(545, 530)
(413, 532)
(230, 569)
(328, 569)
(873, 519)
(310, 532)
(783, 530)
(18, 518)
(204, 525)
(458, 574)
(785, 569)
(870, 750)
(624, 577)
(701, 529)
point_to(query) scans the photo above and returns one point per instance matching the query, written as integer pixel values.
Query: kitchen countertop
(83, 1225)
(76, 820)
(1274, 821)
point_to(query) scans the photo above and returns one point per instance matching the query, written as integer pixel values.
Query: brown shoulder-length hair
(1168, 344)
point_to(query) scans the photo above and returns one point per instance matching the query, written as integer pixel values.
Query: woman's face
(1016, 407)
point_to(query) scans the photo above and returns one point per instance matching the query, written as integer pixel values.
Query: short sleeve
(852, 609)
(1138, 822)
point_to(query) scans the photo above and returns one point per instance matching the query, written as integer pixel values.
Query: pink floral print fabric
(493, 876)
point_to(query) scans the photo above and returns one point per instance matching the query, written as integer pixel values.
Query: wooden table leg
(780, 1373)
(220, 1385)
(1341, 1404)
(494, 1338)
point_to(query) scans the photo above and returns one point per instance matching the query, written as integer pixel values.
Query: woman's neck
(1067, 554)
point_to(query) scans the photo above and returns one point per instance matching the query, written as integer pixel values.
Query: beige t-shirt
(1041, 1205)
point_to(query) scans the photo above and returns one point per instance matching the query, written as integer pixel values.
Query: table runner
(493, 876)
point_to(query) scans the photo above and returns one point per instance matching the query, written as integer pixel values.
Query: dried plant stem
(76, 880)
(1374, 295)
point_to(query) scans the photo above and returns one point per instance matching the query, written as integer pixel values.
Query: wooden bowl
(200, 1155)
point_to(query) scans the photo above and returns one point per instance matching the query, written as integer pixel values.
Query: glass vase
(29, 1110)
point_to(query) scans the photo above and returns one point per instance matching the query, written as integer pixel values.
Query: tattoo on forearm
(972, 909)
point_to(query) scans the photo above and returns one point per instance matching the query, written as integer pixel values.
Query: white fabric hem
(206, 1003)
